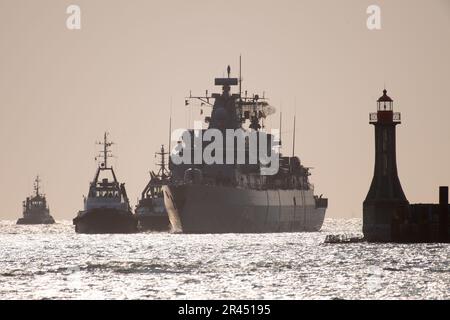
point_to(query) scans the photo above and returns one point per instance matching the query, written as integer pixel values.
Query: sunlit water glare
(52, 262)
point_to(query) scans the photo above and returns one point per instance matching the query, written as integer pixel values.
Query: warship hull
(105, 220)
(217, 209)
(36, 220)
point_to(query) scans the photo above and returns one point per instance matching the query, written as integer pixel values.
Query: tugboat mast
(105, 153)
(36, 185)
(163, 173)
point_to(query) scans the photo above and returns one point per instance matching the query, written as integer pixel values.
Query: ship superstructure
(106, 208)
(233, 198)
(35, 208)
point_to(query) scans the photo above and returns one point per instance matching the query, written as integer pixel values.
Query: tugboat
(219, 197)
(151, 211)
(35, 208)
(106, 208)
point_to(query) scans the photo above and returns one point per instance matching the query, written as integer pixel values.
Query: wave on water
(53, 262)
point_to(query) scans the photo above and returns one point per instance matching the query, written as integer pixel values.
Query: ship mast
(170, 125)
(281, 115)
(105, 153)
(293, 140)
(240, 78)
(36, 185)
(163, 173)
(252, 108)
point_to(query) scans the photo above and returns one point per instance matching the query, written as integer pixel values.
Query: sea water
(53, 262)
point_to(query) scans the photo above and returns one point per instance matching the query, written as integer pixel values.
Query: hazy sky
(61, 89)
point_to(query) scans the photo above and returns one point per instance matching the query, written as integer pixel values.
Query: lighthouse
(385, 202)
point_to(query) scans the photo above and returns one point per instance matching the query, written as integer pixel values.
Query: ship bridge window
(101, 194)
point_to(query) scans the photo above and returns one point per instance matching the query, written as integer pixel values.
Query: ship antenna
(105, 149)
(293, 140)
(170, 125)
(163, 164)
(293, 134)
(281, 115)
(240, 77)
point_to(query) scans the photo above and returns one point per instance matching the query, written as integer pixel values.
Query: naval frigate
(238, 198)
(106, 208)
(35, 208)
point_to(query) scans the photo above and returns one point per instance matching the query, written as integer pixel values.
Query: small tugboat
(106, 208)
(151, 211)
(35, 208)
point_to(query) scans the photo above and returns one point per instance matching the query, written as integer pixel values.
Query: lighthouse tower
(385, 201)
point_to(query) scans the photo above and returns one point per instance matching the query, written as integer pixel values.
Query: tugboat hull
(154, 223)
(36, 220)
(105, 220)
(207, 209)
(152, 215)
